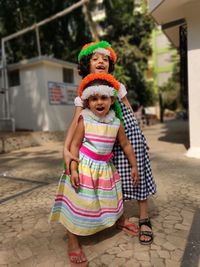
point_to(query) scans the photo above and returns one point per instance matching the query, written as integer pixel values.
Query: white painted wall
(193, 21)
(58, 116)
(30, 101)
(153, 4)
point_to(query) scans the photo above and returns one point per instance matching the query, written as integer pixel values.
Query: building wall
(27, 99)
(163, 58)
(58, 116)
(30, 105)
(193, 23)
(188, 10)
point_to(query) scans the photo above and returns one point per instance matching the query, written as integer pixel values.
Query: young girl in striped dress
(99, 57)
(90, 199)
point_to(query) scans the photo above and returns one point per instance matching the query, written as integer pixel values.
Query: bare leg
(143, 214)
(75, 252)
(143, 208)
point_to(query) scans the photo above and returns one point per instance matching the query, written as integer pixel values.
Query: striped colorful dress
(98, 203)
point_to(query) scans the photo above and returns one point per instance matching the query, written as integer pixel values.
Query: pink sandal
(77, 258)
(129, 228)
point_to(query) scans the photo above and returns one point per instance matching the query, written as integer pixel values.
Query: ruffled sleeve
(122, 91)
(78, 102)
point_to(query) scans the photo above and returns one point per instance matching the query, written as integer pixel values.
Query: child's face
(100, 104)
(99, 63)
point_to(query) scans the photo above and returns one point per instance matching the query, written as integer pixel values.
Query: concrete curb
(15, 141)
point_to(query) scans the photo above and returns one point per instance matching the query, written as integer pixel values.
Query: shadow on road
(176, 131)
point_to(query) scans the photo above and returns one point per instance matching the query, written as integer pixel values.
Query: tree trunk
(91, 23)
(161, 108)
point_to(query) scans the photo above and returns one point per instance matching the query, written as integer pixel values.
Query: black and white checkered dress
(147, 185)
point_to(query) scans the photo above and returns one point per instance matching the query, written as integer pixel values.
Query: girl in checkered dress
(96, 58)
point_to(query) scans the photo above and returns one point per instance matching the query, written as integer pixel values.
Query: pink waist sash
(95, 156)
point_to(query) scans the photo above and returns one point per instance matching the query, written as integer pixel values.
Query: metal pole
(2, 82)
(38, 41)
(57, 15)
(5, 81)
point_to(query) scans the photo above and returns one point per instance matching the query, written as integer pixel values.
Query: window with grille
(13, 78)
(68, 75)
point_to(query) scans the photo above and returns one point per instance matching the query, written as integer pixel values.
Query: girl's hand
(135, 176)
(74, 179)
(68, 157)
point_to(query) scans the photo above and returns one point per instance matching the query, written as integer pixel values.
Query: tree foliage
(129, 32)
(170, 93)
(171, 90)
(126, 30)
(61, 38)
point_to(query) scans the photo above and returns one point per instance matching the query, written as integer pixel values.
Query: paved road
(28, 182)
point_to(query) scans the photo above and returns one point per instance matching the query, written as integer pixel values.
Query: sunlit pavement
(28, 182)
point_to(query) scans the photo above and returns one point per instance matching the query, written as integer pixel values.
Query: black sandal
(146, 222)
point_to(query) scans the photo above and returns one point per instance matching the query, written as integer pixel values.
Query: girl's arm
(122, 93)
(74, 149)
(127, 103)
(128, 150)
(67, 155)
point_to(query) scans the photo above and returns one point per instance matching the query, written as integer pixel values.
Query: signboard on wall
(61, 93)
